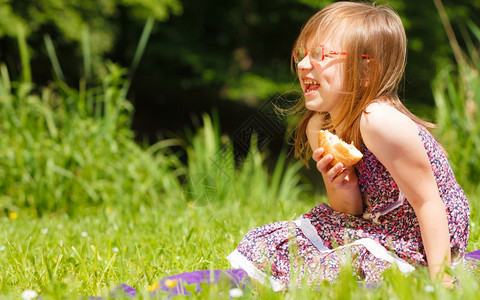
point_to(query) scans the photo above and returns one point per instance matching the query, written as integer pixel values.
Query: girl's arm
(341, 183)
(393, 138)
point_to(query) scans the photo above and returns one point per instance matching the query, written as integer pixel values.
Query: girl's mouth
(311, 85)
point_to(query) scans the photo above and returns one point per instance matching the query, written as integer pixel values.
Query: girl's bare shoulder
(383, 126)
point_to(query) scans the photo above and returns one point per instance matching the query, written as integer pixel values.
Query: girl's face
(321, 76)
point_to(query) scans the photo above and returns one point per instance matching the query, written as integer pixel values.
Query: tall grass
(62, 149)
(456, 90)
(215, 172)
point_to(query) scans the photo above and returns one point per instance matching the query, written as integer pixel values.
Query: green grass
(456, 90)
(63, 148)
(88, 254)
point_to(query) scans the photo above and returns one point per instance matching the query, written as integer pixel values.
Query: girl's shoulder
(383, 124)
(383, 111)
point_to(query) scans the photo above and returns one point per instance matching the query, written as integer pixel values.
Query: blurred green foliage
(63, 147)
(67, 20)
(457, 97)
(428, 46)
(215, 49)
(68, 17)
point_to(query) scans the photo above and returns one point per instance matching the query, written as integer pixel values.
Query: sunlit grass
(89, 254)
(456, 90)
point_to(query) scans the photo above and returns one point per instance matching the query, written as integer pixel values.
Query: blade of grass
(24, 55)
(147, 30)
(6, 84)
(87, 59)
(53, 57)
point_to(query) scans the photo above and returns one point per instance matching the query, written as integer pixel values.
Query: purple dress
(313, 247)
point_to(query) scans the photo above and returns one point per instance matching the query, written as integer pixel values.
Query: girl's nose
(305, 63)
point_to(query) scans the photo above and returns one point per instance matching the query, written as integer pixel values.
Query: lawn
(91, 252)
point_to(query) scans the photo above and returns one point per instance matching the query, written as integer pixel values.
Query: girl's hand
(337, 176)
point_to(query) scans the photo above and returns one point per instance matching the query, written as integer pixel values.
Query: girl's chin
(313, 105)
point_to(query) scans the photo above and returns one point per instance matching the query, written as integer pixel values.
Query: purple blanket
(473, 255)
(181, 284)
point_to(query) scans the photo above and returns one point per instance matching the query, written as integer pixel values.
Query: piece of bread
(342, 152)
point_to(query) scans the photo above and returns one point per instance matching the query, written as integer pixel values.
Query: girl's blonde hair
(374, 39)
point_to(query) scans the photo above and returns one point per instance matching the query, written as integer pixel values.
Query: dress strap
(376, 215)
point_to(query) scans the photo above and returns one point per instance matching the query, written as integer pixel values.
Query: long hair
(374, 38)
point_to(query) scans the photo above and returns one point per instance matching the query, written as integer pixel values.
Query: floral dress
(312, 248)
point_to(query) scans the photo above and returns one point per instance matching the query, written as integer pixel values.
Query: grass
(63, 148)
(456, 90)
(87, 250)
(61, 256)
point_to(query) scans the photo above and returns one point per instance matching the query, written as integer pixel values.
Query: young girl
(401, 203)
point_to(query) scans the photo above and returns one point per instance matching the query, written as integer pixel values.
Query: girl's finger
(341, 176)
(334, 172)
(317, 154)
(323, 164)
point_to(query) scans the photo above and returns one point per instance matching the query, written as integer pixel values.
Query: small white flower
(235, 293)
(44, 230)
(84, 234)
(2, 248)
(115, 249)
(429, 289)
(29, 294)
